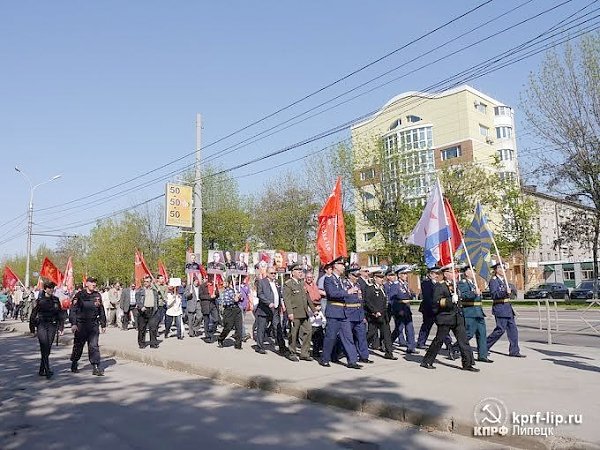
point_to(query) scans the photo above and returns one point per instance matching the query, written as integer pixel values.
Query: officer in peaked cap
(400, 310)
(338, 295)
(503, 311)
(356, 315)
(473, 312)
(376, 310)
(447, 318)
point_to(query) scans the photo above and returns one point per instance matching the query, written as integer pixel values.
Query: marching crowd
(345, 313)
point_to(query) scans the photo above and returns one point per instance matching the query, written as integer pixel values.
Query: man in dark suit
(270, 307)
(447, 318)
(209, 310)
(434, 275)
(192, 294)
(127, 304)
(146, 301)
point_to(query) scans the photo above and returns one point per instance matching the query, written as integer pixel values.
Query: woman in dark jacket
(49, 318)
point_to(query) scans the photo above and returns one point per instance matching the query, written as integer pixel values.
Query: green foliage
(284, 216)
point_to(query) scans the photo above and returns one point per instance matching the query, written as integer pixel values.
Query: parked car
(586, 290)
(549, 290)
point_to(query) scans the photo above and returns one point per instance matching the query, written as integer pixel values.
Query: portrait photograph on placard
(279, 258)
(241, 261)
(215, 260)
(229, 259)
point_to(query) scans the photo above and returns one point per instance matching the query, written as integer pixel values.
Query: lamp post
(32, 188)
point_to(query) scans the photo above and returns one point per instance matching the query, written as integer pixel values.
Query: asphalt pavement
(137, 406)
(555, 378)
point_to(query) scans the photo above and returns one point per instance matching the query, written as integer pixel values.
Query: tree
(284, 216)
(562, 105)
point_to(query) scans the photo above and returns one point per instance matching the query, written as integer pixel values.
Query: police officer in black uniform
(86, 317)
(49, 317)
(447, 317)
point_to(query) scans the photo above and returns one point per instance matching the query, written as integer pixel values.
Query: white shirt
(174, 305)
(132, 297)
(275, 293)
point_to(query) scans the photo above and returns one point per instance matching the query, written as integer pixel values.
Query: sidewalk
(558, 379)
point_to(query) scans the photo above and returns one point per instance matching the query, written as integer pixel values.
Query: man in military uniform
(401, 311)
(377, 312)
(86, 317)
(503, 312)
(434, 275)
(447, 317)
(473, 312)
(298, 304)
(355, 312)
(338, 295)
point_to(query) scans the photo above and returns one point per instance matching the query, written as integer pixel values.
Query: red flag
(51, 272)
(331, 231)
(455, 235)
(9, 278)
(141, 269)
(69, 281)
(163, 270)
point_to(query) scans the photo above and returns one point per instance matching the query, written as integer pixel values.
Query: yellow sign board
(179, 205)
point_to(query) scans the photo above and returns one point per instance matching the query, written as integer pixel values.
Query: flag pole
(335, 237)
(439, 186)
(501, 262)
(469, 260)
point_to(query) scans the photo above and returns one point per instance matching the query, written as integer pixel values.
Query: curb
(357, 404)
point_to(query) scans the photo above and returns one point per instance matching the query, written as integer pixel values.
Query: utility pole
(198, 190)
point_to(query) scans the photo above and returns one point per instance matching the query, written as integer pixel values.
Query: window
(506, 154)
(373, 260)
(390, 144)
(395, 124)
(483, 130)
(368, 236)
(502, 111)
(569, 274)
(481, 107)
(413, 119)
(367, 196)
(504, 132)
(449, 153)
(587, 274)
(416, 138)
(369, 216)
(508, 176)
(367, 174)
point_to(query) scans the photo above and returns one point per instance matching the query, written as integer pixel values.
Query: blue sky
(104, 91)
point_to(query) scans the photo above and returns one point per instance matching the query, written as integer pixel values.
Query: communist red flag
(141, 269)
(51, 272)
(69, 281)
(331, 231)
(163, 270)
(9, 278)
(455, 235)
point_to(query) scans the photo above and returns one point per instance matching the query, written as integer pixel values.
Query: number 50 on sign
(179, 205)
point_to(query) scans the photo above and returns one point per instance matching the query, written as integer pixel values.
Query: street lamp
(32, 188)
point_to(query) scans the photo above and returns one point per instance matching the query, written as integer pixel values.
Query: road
(141, 407)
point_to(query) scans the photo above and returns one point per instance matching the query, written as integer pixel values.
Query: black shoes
(142, 346)
(354, 366)
(390, 356)
(97, 371)
(74, 368)
(262, 351)
(324, 364)
(366, 361)
(237, 347)
(306, 358)
(427, 365)
(485, 360)
(471, 369)
(292, 357)
(153, 345)
(518, 355)
(220, 343)
(49, 373)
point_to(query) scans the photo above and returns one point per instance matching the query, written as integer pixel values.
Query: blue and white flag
(477, 241)
(432, 228)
